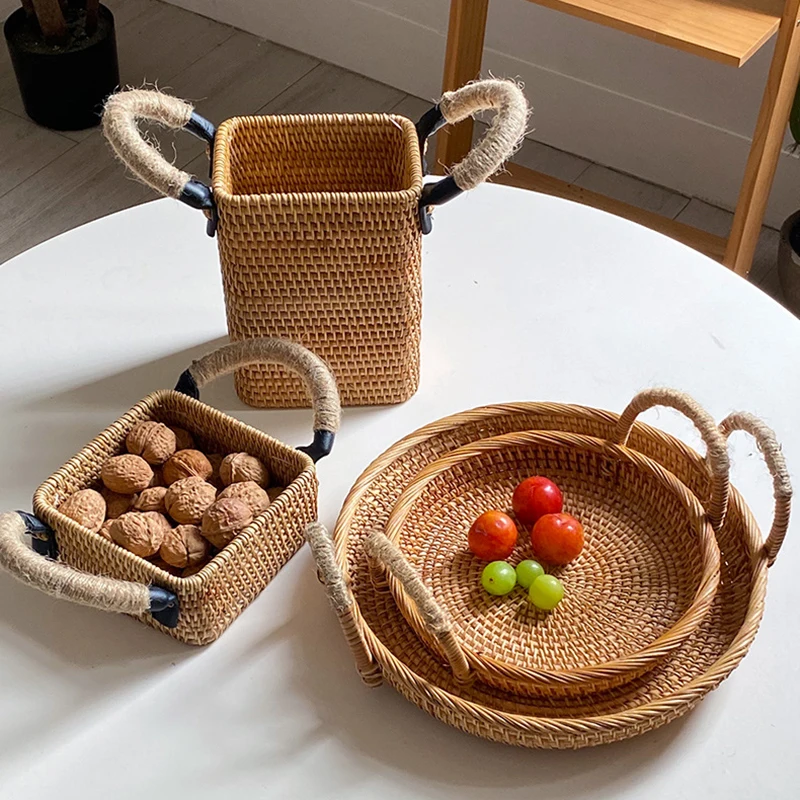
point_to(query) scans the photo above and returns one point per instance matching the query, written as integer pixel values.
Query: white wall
(669, 117)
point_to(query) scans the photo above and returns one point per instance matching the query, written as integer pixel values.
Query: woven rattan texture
(663, 694)
(320, 243)
(649, 567)
(214, 597)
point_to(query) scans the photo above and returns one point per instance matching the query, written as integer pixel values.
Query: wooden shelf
(728, 31)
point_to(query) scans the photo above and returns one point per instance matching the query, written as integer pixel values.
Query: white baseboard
(658, 144)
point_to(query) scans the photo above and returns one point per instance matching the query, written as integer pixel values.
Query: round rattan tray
(641, 586)
(387, 649)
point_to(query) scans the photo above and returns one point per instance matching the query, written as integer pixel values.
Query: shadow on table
(90, 654)
(120, 390)
(379, 725)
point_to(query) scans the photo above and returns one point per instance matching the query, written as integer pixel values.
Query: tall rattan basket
(319, 220)
(72, 562)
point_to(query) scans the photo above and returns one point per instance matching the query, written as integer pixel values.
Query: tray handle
(385, 554)
(718, 459)
(311, 368)
(341, 598)
(121, 115)
(781, 482)
(64, 582)
(498, 144)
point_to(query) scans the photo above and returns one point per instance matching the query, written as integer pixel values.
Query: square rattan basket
(74, 563)
(212, 599)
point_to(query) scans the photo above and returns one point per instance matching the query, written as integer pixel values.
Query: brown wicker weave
(387, 648)
(319, 243)
(643, 583)
(318, 220)
(211, 599)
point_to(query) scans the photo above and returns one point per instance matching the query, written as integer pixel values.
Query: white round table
(526, 297)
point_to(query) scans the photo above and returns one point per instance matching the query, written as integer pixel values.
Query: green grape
(546, 592)
(527, 572)
(499, 577)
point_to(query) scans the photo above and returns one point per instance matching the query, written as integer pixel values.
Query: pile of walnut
(161, 501)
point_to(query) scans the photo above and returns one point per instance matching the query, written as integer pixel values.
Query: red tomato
(534, 498)
(493, 536)
(557, 538)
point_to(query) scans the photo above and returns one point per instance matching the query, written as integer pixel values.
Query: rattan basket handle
(385, 554)
(715, 442)
(121, 116)
(311, 368)
(498, 144)
(66, 583)
(341, 599)
(781, 482)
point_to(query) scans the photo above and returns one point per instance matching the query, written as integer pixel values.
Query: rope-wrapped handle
(318, 378)
(387, 555)
(715, 442)
(781, 482)
(498, 144)
(121, 116)
(341, 599)
(64, 582)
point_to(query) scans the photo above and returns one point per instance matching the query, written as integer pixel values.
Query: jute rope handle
(505, 133)
(316, 375)
(341, 599)
(781, 482)
(718, 460)
(382, 552)
(122, 113)
(62, 581)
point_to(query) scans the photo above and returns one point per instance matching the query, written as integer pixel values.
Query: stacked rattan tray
(423, 659)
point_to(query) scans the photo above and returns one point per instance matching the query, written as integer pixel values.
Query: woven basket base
(636, 577)
(673, 688)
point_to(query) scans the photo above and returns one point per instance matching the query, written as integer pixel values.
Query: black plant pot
(63, 87)
(789, 262)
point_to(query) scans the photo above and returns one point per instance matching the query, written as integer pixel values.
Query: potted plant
(789, 246)
(64, 54)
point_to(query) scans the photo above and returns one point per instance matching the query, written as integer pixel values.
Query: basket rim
(630, 665)
(626, 722)
(401, 197)
(44, 507)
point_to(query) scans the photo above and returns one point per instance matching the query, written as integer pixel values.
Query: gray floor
(51, 182)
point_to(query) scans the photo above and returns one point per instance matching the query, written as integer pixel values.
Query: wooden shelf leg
(462, 63)
(767, 140)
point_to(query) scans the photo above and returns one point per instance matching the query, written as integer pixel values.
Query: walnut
(158, 478)
(187, 499)
(116, 504)
(186, 464)
(105, 529)
(224, 519)
(274, 491)
(140, 532)
(184, 546)
(189, 571)
(183, 439)
(86, 507)
(238, 467)
(215, 459)
(126, 474)
(151, 499)
(250, 493)
(153, 441)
